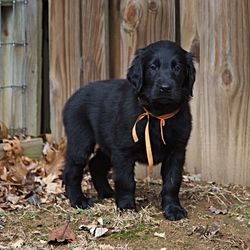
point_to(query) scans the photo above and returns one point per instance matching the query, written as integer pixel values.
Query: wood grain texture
(223, 116)
(144, 22)
(6, 58)
(20, 107)
(115, 38)
(95, 48)
(190, 40)
(64, 47)
(33, 67)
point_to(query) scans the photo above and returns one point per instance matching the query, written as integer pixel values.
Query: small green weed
(133, 233)
(243, 210)
(44, 237)
(30, 216)
(2, 214)
(247, 215)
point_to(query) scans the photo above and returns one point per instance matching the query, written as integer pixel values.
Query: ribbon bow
(162, 119)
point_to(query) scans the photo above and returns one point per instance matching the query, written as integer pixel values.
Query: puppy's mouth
(164, 99)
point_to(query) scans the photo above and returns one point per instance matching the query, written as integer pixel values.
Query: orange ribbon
(162, 119)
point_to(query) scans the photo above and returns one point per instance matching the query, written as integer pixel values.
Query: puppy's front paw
(126, 203)
(174, 212)
(82, 202)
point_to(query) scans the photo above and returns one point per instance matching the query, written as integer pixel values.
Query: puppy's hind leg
(99, 167)
(79, 147)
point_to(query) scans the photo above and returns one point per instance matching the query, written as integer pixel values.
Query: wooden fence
(20, 65)
(97, 39)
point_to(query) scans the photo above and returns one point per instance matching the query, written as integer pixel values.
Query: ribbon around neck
(162, 119)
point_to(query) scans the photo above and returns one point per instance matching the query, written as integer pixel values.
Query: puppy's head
(162, 73)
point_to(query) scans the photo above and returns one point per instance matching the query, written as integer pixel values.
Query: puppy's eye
(153, 67)
(177, 68)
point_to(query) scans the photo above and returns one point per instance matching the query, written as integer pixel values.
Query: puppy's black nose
(165, 89)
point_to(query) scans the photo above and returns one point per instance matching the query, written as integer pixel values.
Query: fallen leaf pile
(26, 181)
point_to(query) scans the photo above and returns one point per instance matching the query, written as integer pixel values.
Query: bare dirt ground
(219, 218)
(34, 213)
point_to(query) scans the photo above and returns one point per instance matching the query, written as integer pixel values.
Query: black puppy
(159, 83)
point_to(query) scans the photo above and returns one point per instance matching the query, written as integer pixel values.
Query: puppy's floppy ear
(190, 73)
(135, 72)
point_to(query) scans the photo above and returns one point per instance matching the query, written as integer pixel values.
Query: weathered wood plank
(6, 72)
(20, 107)
(33, 64)
(95, 49)
(190, 40)
(19, 71)
(64, 47)
(223, 131)
(115, 38)
(144, 22)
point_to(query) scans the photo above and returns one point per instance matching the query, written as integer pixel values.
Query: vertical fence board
(114, 38)
(190, 40)
(64, 47)
(33, 66)
(224, 94)
(95, 50)
(20, 108)
(6, 67)
(144, 22)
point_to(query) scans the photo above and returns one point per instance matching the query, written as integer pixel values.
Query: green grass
(245, 212)
(88, 212)
(132, 233)
(31, 216)
(2, 214)
(43, 237)
(247, 215)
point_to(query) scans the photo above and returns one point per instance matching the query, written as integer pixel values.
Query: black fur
(161, 80)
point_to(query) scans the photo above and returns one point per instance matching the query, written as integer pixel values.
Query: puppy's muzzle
(166, 86)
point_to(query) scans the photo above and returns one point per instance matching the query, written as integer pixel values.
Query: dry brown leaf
(12, 150)
(12, 198)
(56, 159)
(3, 173)
(49, 179)
(54, 188)
(217, 211)
(207, 231)
(62, 234)
(7, 147)
(49, 138)
(13, 145)
(26, 160)
(50, 153)
(17, 174)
